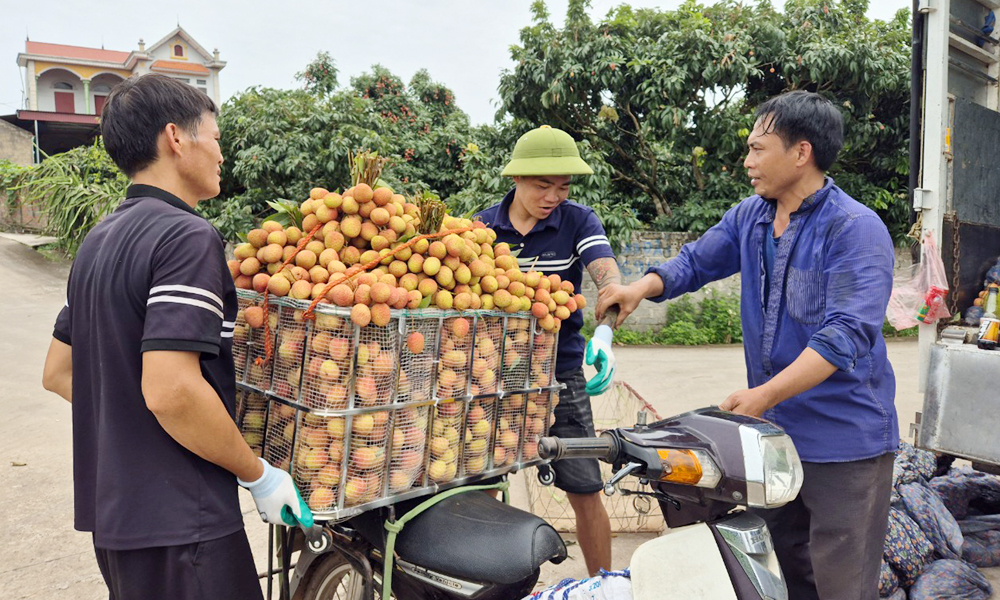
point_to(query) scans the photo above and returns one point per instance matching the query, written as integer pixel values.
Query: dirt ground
(42, 557)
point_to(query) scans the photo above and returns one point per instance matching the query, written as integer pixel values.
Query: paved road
(42, 557)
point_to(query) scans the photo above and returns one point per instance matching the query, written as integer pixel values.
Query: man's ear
(804, 153)
(172, 136)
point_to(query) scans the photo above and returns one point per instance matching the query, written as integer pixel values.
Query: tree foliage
(320, 76)
(280, 143)
(667, 97)
(75, 190)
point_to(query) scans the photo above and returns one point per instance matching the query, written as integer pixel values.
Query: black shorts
(575, 419)
(220, 569)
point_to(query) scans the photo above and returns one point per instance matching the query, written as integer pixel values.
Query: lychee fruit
(414, 342)
(301, 289)
(361, 315)
(254, 316)
(257, 237)
(460, 327)
(363, 193)
(380, 293)
(380, 315)
(279, 286)
(260, 281)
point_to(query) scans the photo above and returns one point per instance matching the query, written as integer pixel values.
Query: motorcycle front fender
(682, 563)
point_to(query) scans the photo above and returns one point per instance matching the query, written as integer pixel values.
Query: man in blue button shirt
(558, 236)
(816, 270)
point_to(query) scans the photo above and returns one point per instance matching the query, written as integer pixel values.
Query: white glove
(600, 355)
(277, 499)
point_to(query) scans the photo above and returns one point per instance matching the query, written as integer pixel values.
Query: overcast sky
(462, 43)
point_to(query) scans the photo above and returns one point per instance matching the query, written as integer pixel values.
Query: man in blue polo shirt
(816, 273)
(143, 351)
(557, 236)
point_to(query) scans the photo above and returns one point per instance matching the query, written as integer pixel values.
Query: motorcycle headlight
(773, 468)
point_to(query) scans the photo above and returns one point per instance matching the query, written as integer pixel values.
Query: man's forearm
(199, 422)
(63, 385)
(650, 286)
(604, 272)
(806, 372)
(190, 411)
(57, 374)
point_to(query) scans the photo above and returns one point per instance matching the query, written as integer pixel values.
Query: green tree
(280, 143)
(75, 190)
(667, 97)
(320, 76)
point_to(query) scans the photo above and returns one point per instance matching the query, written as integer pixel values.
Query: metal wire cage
(365, 417)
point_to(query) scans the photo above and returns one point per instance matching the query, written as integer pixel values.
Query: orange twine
(268, 341)
(358, 269)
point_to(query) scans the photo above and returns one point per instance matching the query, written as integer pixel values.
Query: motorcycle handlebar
(602, 448)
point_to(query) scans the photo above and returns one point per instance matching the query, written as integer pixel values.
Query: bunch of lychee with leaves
(362, 227)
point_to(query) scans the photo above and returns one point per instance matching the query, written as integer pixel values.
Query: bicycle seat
(472, 536)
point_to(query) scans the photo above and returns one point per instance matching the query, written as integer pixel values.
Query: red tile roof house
(67, 85)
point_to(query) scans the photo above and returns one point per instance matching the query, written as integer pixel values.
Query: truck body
(955, 183)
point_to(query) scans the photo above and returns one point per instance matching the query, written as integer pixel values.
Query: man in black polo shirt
(558, 236)
(143, 351)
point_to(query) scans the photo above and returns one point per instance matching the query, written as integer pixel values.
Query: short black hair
(138, 109)
(798, 116)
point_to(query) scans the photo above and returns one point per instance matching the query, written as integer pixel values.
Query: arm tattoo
(604, 271)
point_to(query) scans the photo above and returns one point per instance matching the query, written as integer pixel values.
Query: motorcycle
(700, 467)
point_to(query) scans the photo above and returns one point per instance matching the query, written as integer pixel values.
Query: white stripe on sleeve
(227, 334)
(582, 244)
(187, 289)
(188, 301)
(229, 324)
(595, 243)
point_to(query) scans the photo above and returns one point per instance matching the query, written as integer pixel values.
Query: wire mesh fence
(616, 408)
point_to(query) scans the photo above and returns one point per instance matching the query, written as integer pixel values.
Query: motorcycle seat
(475, 537)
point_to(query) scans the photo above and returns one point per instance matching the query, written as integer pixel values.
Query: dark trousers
(829, 540)
(220, 569)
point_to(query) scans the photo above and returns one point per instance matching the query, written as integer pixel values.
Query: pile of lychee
(465, 270)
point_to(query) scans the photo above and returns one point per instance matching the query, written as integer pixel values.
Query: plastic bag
(613, 585)
(920, 297)
(962, 487)
(982, 540)
(888, 581)
(951, 580)
(907, 549)
(926, 509)
(899, 594)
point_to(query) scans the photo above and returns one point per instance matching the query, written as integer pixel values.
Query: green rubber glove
(600, 355)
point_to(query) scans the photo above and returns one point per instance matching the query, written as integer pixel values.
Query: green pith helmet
(546, 151)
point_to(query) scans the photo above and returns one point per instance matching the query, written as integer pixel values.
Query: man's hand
(627, 297)
(277, 499)
(752, 402)
(600, 355)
